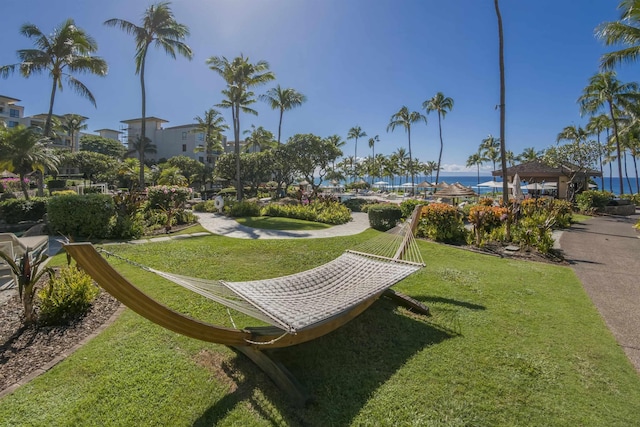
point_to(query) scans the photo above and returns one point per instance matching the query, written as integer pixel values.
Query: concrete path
(225, 226)
(605, 254)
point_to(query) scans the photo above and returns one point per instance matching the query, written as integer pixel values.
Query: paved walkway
(225, 226)
(605, 254)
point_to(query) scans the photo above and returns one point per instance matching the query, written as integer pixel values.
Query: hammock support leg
(406, 301)
(279, 374)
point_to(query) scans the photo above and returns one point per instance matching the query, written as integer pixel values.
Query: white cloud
(453, 167)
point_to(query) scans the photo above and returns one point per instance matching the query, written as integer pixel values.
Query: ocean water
(472, 181)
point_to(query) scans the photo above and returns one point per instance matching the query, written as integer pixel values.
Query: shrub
(208, 206)
(12, 185)
(15, 210)
(356, 204)
(128, 222)
(8, 195)
(66, 296)
(63, 193)
(168, 196)
(589, 200)
(325, 211)
(534, 231)
(635, 198)
(242, 209)
(485, 219)
(87, 215)
(442, 223)
(92, 190)
(384, 217)
(407, 207)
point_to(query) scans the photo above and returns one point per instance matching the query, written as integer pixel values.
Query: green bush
(589, 200)
(635, 198)
(534, 231)
(87, 215)
(356, 204)
(408, 206)
(208, 206)
(91, 190)
(127, 227)
(244, 208)
(384, 217)
(327, 212)
(66, 296)
(185, 217)
(442, 223)
(14, 211)
(168, 197)
(53, 184)
(7, 195)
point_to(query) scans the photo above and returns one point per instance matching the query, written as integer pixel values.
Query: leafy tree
(312, 155)
(441, 104)
(128, 173)
(159, 28)
(579, 157)
(106, 146)
(356, 132)
(606, 91)
(67, 50)
(405, 119)
(94, 166)
(625, 31)
(189, 168)
(241, 76)
(23, 150)
(283, 100)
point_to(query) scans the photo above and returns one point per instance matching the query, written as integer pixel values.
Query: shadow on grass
(440, 300)
(341, 370)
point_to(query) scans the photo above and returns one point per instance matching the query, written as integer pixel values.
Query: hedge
(384, 217)
(86, 215)
(13, 211)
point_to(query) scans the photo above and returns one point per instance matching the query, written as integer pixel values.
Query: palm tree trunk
(143, 131)
(626, 172)
(610, 178)
(23, 186)
(236, 149)
(280, 125)
(600, 158)
(410, 156)
(615, 133)
(635, 166)
(503, 150)
(47, 123)
(441, 146)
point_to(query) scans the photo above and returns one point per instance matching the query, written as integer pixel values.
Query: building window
(184, 136)
(201, 137)
(201, 159)
(184, 148)
(14, 113)
(13, 124)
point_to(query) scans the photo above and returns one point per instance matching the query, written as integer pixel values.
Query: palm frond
(80, 89)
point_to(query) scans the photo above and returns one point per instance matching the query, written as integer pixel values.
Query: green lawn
(279, 223)
(510, 343)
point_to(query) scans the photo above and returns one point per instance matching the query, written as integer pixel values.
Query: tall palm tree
(574, 134)
(490, 150)
(401, 159)
(596, 125)
(211, 125)
(606, 91)
(475, 160)
(241, 76)
(72, 124)
(160, 28)
(405, 119)
(372, 145)
(337, 141)
(355, 133)
(283, 100)
(441, 104)
(67, 50)
(23, 150)
(431, 166)
(625, 31)
(529, 154)
(139, 145)
(259, 139)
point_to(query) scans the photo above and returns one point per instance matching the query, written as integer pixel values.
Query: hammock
(300, 306)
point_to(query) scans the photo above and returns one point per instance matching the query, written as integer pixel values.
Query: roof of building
(182, 126)
(150, 118)
(540, 169)
(10, 99)
(109, 130)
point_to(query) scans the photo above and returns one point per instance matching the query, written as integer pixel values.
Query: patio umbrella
(491, 184)
(7, 174)
(425, 184)
(381, 183)
(456, 190)
(407, 184)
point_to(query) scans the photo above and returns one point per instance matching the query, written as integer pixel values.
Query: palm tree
(442, 105)
(503, 143)
(372, 145)
(625, 32)
(490, 150)
(572, 133)
(405, 119)
(337, 141)
(529, 154)
(72, 124)
(160, 28)
(355, 133)
(241, 76)
(259, 139)
(23, 150)
(475, 160)
(606, 91)
(283, 100)
(67, 50)
(400, 159)
(211, 125)
(139, 145)
(430, 167)
(596, 125)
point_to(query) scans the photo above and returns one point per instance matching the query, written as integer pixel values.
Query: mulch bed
(25, 349)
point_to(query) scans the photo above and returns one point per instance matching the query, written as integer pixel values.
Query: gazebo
(556, 178)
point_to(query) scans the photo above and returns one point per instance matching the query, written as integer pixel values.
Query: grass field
(509, 343)
(279, 223)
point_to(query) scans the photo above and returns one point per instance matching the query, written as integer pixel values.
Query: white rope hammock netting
(303, 300)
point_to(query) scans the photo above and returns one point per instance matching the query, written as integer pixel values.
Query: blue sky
(357, 61)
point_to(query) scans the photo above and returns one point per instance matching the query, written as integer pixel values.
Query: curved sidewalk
(604, 253)
(225, 226)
